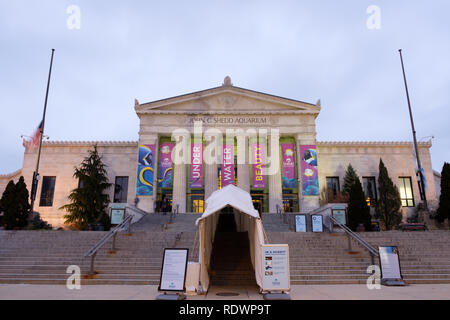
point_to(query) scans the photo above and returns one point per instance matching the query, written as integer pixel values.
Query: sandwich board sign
(317, 223)
(300, 223)
(391, 274)
(173, 271)
(275, 262)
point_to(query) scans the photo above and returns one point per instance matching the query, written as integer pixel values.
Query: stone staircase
(182, 222)
(324, 258)
(230, 259)
(42, 257)
(424, 255)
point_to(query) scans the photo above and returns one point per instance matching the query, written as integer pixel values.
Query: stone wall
(398, 158)
(59, 159)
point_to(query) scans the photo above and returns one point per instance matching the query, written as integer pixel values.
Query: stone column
(275, 186)
(146, 203)
(306, 203)
(243, 170)
(179, 175)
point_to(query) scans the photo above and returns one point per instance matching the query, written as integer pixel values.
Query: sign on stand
(117, 214)
(340, 215)
(391, 274)
(317, 223)
(276, 274)
(300, 223)
(173, 273)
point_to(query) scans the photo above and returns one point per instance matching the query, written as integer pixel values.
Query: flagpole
(41, 135)
(419, 164)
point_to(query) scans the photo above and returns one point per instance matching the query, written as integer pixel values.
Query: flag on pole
(32, 142)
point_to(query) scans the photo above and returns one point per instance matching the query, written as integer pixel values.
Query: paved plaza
(306, 292)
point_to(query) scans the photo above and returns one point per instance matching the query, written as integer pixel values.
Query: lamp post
(416, 149)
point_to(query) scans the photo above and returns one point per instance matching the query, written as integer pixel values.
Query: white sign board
(173, 272)
(117, 216)
(317, 223)
(390, 263)
(276, 274)
(300, 223)
(340, 216)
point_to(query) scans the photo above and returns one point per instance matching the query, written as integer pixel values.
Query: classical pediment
(227, 99)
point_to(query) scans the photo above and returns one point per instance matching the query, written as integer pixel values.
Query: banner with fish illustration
(288, 166)
(310, 175)
(165, 166)
(196, 168)
(145, 172)
(258, 162)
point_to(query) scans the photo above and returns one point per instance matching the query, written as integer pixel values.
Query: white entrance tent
(247, 219)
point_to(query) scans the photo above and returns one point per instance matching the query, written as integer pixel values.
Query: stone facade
(216, 111)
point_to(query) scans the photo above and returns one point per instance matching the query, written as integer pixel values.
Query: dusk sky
(149, 50)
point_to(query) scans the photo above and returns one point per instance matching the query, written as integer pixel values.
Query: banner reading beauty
(165, 165)
(258, 162)
(288, 166)
(145, 173)
(196, 170)
(227, 164)
(310, 174)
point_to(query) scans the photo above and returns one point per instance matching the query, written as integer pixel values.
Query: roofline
(319, 143)
(219, 87)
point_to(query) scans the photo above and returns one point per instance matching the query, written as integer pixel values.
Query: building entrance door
(196, 202)
(164, 202)
(258, 202)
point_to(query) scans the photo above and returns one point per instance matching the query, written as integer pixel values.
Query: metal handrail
(373, 252)
(111, 234)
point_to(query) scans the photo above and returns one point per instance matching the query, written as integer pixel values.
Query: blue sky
(149, 50)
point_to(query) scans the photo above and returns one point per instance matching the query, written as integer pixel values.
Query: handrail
(373, 252)
(112, 233)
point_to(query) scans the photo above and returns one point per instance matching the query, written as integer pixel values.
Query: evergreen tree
(389, 202)
(88, 202)
(15, 205)
(350, 178)
(358, 210)
(443, 212)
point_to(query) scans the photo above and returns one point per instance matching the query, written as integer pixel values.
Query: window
(333, 186)
(121, 190)
(406, 192)
(370, 190)
(47, 192)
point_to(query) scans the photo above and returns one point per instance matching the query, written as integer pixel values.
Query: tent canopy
(229, 196)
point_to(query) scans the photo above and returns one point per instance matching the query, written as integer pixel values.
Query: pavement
(299, 292)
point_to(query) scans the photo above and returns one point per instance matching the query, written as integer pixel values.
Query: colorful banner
(288, 166)
(196, 170)
(165, 165)
(310, 175)
(144, 186)
(258, 162)
(227, 164)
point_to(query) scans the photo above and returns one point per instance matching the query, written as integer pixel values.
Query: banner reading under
(196, 170)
